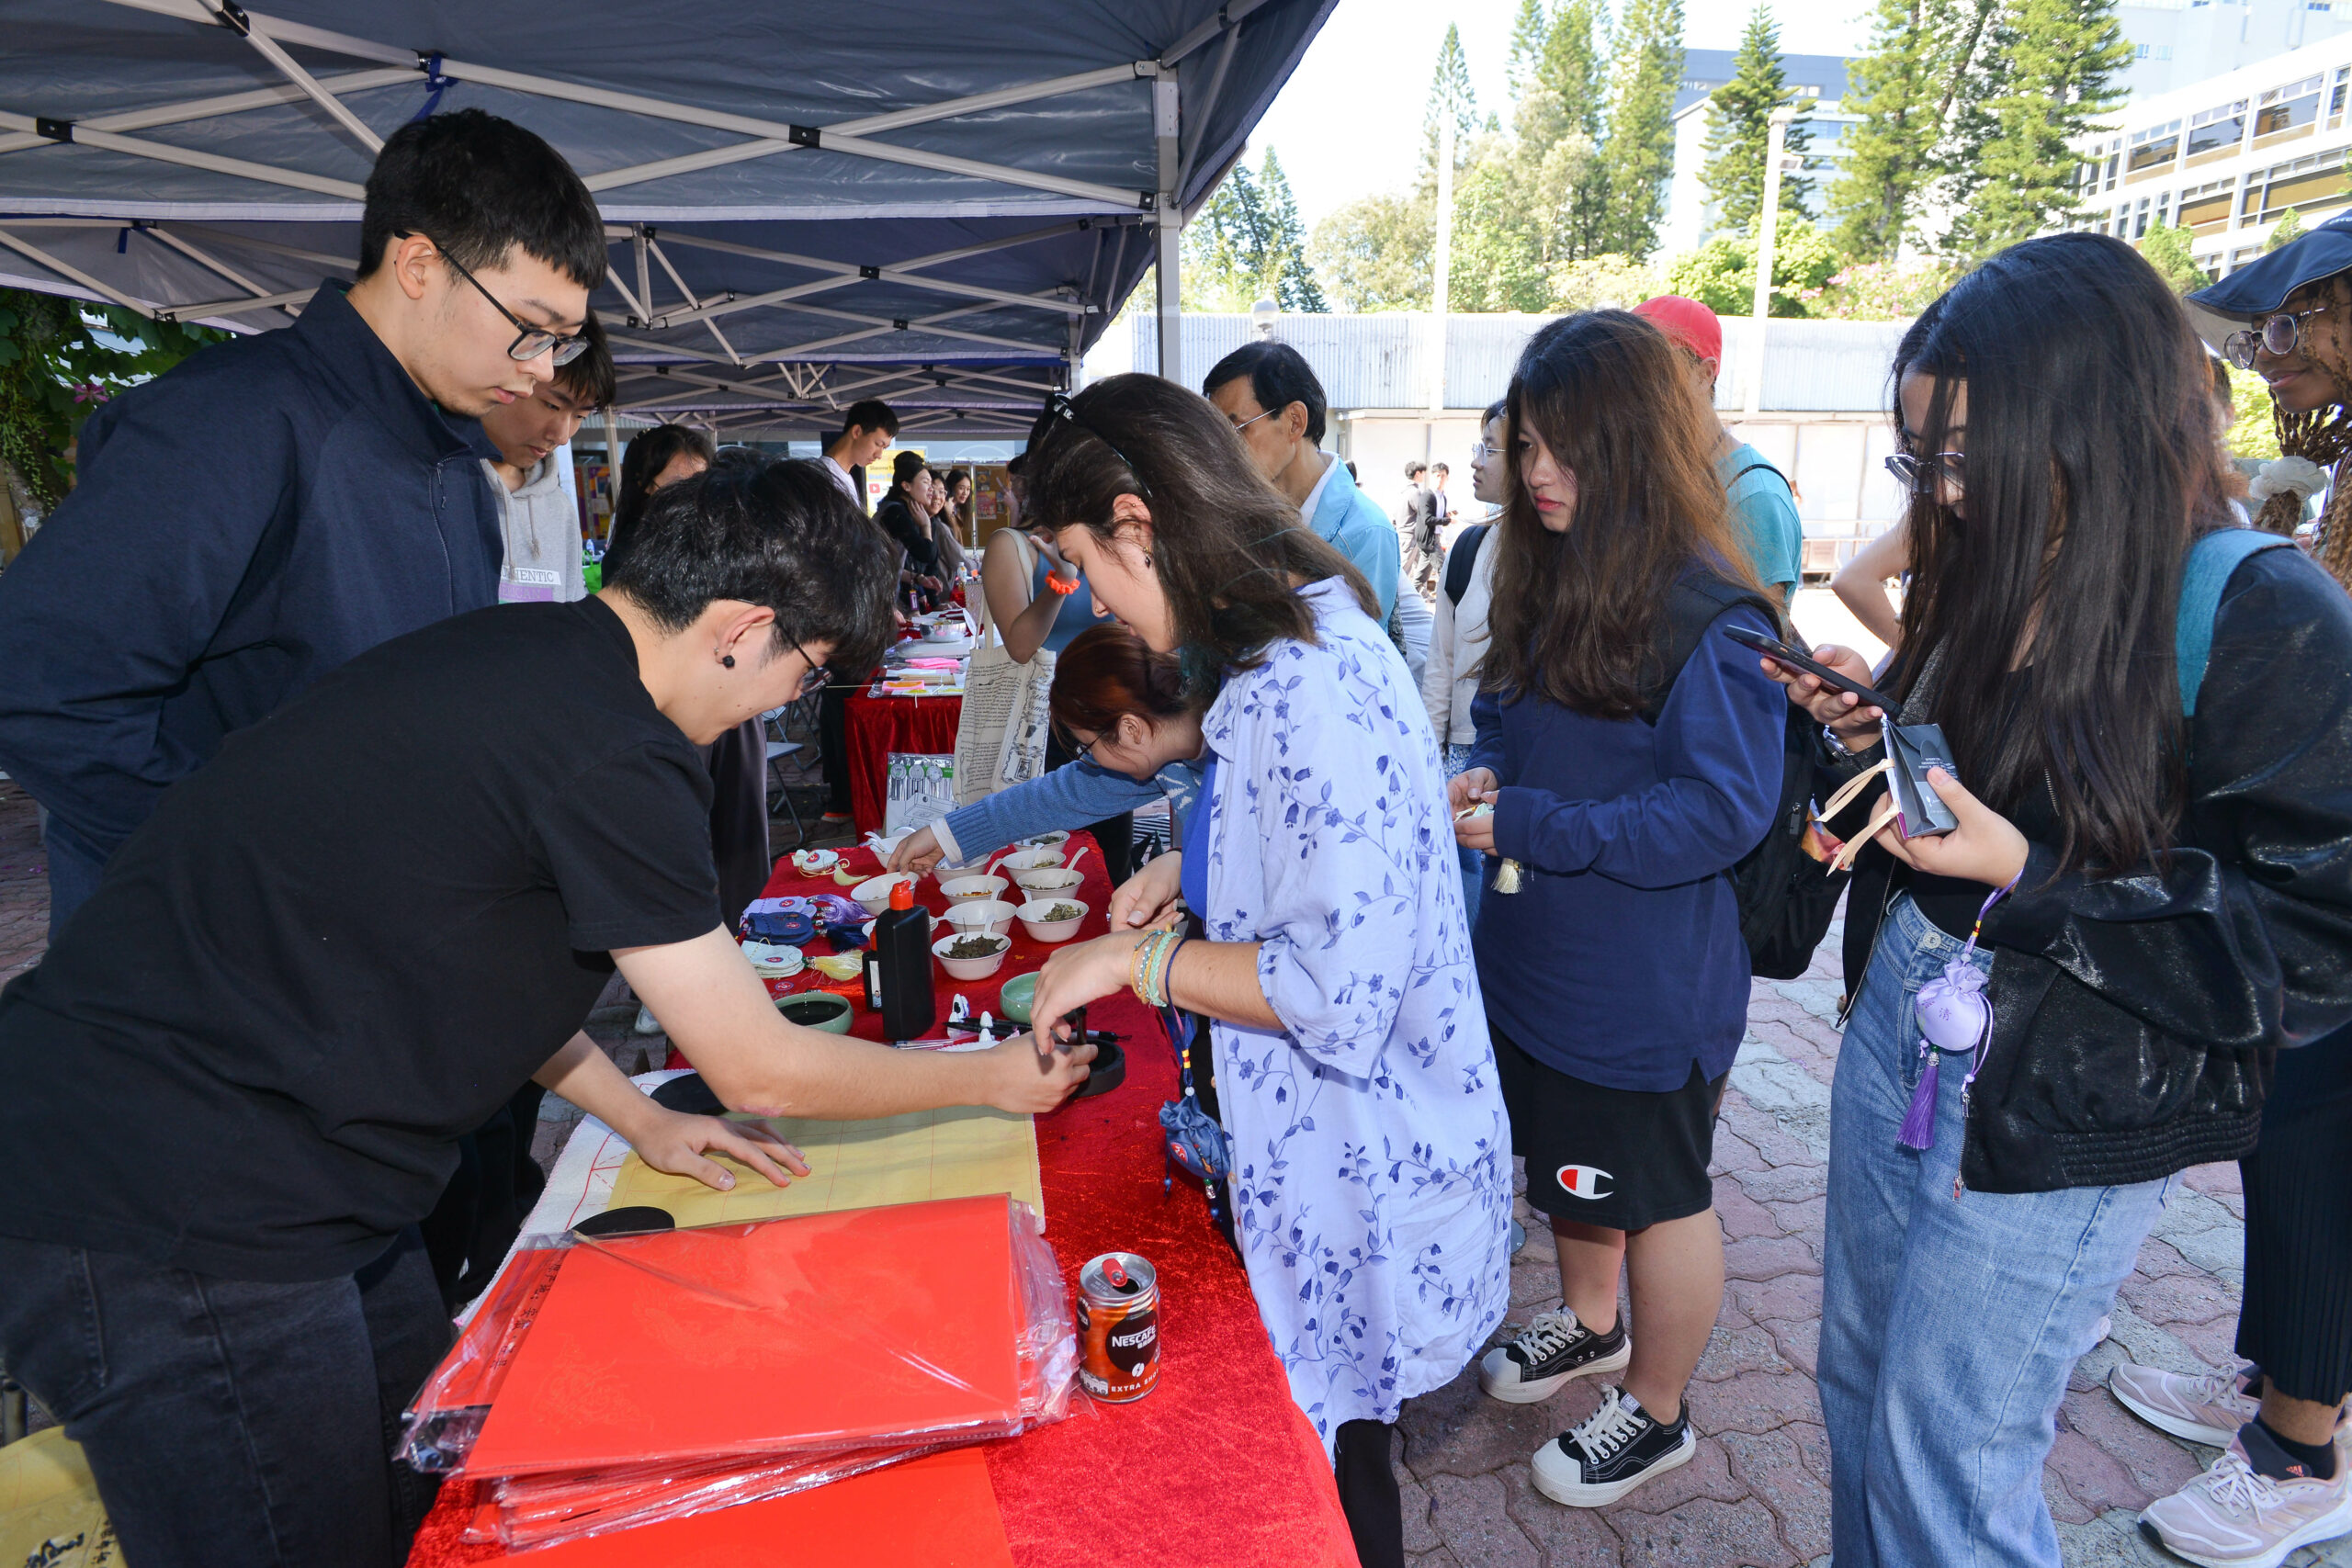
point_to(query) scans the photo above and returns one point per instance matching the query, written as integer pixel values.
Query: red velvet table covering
(923, 726)
(1215, 1465)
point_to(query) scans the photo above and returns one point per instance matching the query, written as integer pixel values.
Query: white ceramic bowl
(1031, 860)
(968, 889)
(1044, 841)
(773, 960)
(875, 892)
(1032, 919)
(1049, 879)
(815, 863)
(992, 916)
(971, 968)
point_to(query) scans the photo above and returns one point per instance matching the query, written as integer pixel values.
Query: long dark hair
(1576, 614)
(1227, 543)
(2093, 461)
(650, 452)
(1106, 673)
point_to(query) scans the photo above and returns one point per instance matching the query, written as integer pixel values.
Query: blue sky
(1349, 121)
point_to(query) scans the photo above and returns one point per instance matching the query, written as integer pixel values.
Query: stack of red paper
(617, 1382)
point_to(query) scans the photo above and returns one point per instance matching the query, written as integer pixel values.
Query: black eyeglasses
(530, 341)
(814, 676)
(1924, 474)
(2275, 335)
(1060, 409)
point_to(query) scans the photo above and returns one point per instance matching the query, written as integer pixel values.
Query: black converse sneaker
(1550, 1350)
(1620, 1446)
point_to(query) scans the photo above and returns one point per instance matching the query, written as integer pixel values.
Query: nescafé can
(1118, 1327)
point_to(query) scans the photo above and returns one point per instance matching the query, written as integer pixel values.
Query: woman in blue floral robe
(1371, 1154)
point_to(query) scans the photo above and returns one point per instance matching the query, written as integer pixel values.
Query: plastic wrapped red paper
(611, 1382)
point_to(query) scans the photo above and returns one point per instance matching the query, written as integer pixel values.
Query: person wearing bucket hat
(2288, 318)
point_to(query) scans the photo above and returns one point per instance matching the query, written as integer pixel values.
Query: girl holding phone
(2155, 873)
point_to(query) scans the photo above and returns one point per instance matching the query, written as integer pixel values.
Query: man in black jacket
(278, 505)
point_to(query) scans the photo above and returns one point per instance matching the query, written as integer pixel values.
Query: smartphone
(1787, 658)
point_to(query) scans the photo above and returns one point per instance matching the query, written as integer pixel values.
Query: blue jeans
(229, 1420)
(1949, 1324)
(1474, 877)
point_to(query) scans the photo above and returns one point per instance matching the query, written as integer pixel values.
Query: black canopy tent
(939, 205)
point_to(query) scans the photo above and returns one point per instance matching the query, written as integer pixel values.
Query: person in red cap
(1763, 505)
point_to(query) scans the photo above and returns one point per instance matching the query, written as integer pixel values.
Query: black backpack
(1786, 897)
(1462, 558)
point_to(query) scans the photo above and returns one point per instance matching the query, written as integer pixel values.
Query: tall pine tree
(1287, 277)
(2060, 60)
(1450, 94)
(1575, 74)
(1919, 92)
(1890, 151)
(1529, 33)
(1248, 244)
(1740, 131)
(1639, 153)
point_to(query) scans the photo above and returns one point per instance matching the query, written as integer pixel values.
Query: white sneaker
(1618, 1448)
(2208, 1410)
(1551, 1350)
(2235, 1516)
(646, 1022)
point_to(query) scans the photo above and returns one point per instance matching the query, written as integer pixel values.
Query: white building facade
(2227, 157)
(2177, 43)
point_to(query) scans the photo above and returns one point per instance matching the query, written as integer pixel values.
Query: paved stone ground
(1756, 1493)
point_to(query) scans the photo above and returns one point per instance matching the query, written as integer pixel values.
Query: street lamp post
(1768, 230)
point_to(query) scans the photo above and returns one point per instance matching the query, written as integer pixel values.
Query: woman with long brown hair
(1369, 1171)
(1632, 755)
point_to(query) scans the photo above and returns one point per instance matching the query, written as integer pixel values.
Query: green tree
(2166, 249)
(1450, 94)
(1529, 33)
(1575, 72)
(1248, 244)
(1921, 78)
(1574, 65)
(1374, 253)
(1638, 156)
(1720, 274)
(1739, 128)
(1589, 283)
(2059, 61)
(2291, 227)
(1293, 279)
(60, 361)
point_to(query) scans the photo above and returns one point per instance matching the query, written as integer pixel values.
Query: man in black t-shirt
(238, 1077)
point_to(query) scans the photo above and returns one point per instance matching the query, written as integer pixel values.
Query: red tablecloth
(924, 727)
(1215, 1465)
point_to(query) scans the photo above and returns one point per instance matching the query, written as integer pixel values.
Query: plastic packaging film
(754, 1362)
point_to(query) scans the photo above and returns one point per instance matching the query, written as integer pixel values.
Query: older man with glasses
(281, 504)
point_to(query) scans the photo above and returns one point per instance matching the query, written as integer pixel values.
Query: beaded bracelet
(1160, 993)
(1148, 971)
(1055, 583)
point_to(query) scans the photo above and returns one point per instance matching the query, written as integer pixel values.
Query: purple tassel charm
(1954, 1015)
(1919, 1122)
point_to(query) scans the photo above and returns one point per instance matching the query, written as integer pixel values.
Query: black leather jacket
(2136, 1019)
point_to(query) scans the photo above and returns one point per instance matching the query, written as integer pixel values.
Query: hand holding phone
(1789, 659)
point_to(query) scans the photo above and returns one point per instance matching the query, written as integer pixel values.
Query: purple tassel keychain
(1955, 1015)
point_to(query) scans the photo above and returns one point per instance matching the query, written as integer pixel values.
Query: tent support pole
(1166, 124)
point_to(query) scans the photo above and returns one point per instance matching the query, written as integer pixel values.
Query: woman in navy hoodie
(1628, 767)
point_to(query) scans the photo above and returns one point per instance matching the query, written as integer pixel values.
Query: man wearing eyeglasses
(281, 504)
